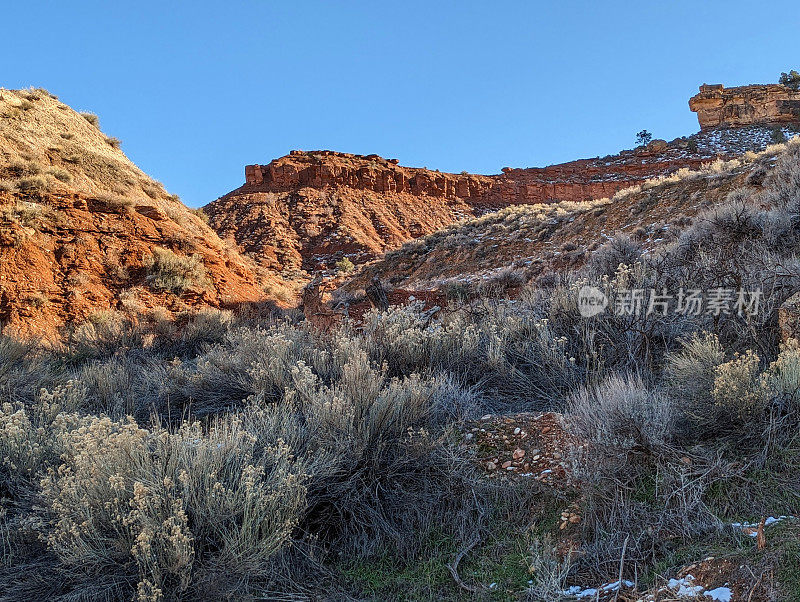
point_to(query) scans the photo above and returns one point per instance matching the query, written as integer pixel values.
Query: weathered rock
(743, 105)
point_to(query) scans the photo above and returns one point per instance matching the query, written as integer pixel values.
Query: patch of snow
(719, 594)
(684, 588)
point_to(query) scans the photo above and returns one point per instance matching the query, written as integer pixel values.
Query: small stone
(506, 464)
(491, 465)
(546, 430)
(556, 456)
(518, 453)
(468, 436)
(574, 519)
(517, 431)
(536, 458)
(486, 417)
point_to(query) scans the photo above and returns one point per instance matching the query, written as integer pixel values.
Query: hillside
(522, 242)
(82, 229)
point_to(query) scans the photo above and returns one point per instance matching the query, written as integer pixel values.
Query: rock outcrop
(580, 180)
(717, 105)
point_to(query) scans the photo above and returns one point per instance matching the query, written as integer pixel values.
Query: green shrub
(167, 271)
(344, 266)
(790, 80)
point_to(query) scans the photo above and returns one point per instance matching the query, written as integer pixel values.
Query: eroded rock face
(580, 180)
(307, 210)
(717, 105)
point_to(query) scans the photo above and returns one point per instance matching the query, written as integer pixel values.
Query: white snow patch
(720, 594)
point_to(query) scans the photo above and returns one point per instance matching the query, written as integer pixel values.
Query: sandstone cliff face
(79, 222)
(716, 105)
(575, 181)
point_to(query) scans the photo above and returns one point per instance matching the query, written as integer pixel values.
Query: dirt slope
(79, 224)
(529, 240)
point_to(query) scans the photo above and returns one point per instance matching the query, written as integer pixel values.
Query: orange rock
(743, 105)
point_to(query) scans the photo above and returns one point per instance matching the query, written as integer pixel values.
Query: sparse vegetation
(344, 266)
(154, 456)
(91, 118)
(113, 142)
(201, 214)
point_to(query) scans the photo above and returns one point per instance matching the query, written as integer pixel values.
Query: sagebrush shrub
(170, 272)
(737, 389)
(621, 415)
(620, 250)
(162, 506)
(91, 118)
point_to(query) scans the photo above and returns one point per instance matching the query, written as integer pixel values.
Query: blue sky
(196, 90)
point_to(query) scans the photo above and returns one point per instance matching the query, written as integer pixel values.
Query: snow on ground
(686, 588)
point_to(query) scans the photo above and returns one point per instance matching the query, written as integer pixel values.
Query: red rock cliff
(717, 105)
(574, 181)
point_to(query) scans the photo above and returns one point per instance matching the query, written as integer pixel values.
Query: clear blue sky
(196, 90)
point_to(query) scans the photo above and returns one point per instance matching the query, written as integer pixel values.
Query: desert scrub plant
(91, 118)
(690, 374)
(20, 169)
(113, 142)
(30, 214)
(344, 266)
(379, 471)
(166, 508)
(167, 271)
(621, 414)
(60, 174)
(202, 215)
(620, 250)
(634, 486)
(34, 185)
(116, 203)
(737, 390)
